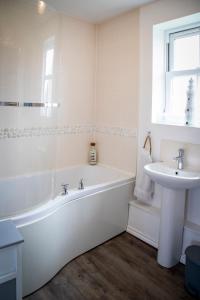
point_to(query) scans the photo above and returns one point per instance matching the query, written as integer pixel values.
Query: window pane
(49, 62)
(178, 97)
(186, 52)
(196, 106)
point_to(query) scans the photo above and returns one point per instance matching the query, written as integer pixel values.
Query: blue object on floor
(192, 270)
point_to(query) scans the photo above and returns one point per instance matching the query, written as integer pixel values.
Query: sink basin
(174, 185)
(170, 177)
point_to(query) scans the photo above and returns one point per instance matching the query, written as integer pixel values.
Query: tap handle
(81, 185)
(181, 152)
(65, 187)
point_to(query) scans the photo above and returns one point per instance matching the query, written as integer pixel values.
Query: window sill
(167, 123)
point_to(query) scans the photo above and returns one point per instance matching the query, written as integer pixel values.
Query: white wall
(155, 13)
(117, 90)
(165, 139)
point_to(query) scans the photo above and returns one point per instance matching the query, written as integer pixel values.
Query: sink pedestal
(175, 183)
(171, 227)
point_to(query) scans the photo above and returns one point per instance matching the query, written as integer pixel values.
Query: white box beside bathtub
(144, 221)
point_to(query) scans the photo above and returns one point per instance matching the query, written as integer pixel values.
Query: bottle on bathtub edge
(92, 154)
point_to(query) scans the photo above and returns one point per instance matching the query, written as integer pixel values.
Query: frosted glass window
(196, 104)
(182, 96)
(178, 95)
(186, 52)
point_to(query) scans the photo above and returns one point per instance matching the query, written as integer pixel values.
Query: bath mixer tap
(179, 159)
(65, 189)
(81, 185)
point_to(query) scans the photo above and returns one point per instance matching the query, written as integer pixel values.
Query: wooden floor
(123, 268)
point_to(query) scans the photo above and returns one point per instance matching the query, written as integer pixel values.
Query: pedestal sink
(175, 183)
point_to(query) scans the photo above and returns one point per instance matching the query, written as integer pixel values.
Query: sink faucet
(65, 188)
(179, 159)
(81, 185)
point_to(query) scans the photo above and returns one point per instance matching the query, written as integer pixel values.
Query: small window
(182, 77)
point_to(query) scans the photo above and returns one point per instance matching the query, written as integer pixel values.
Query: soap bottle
(92, 154)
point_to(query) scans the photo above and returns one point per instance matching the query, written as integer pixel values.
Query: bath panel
(66, 226)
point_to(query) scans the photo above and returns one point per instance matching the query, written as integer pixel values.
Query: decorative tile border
(120, 131)
(44, 131)
(7, 133)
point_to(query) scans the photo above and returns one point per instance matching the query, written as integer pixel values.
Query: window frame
(170, 36)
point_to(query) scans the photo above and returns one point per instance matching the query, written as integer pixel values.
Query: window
(182, 97)
(176, 72)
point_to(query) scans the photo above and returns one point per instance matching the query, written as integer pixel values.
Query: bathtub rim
(46, 209)
(45, 172)
(50, 201)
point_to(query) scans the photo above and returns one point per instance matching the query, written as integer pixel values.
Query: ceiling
(95, 11)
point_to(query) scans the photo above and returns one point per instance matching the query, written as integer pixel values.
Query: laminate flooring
(123, 268)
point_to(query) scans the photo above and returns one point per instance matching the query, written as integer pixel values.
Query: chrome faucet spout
(65, 188)
(180, 159)
(81, 185)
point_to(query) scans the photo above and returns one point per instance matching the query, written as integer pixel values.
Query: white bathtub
(58, 228)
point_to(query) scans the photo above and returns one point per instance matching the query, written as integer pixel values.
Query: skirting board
(190, 237)
(144, 221)
(141, 236)
(147, 240)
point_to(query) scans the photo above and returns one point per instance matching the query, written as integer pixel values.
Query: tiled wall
(93, 81)
(34, 139)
